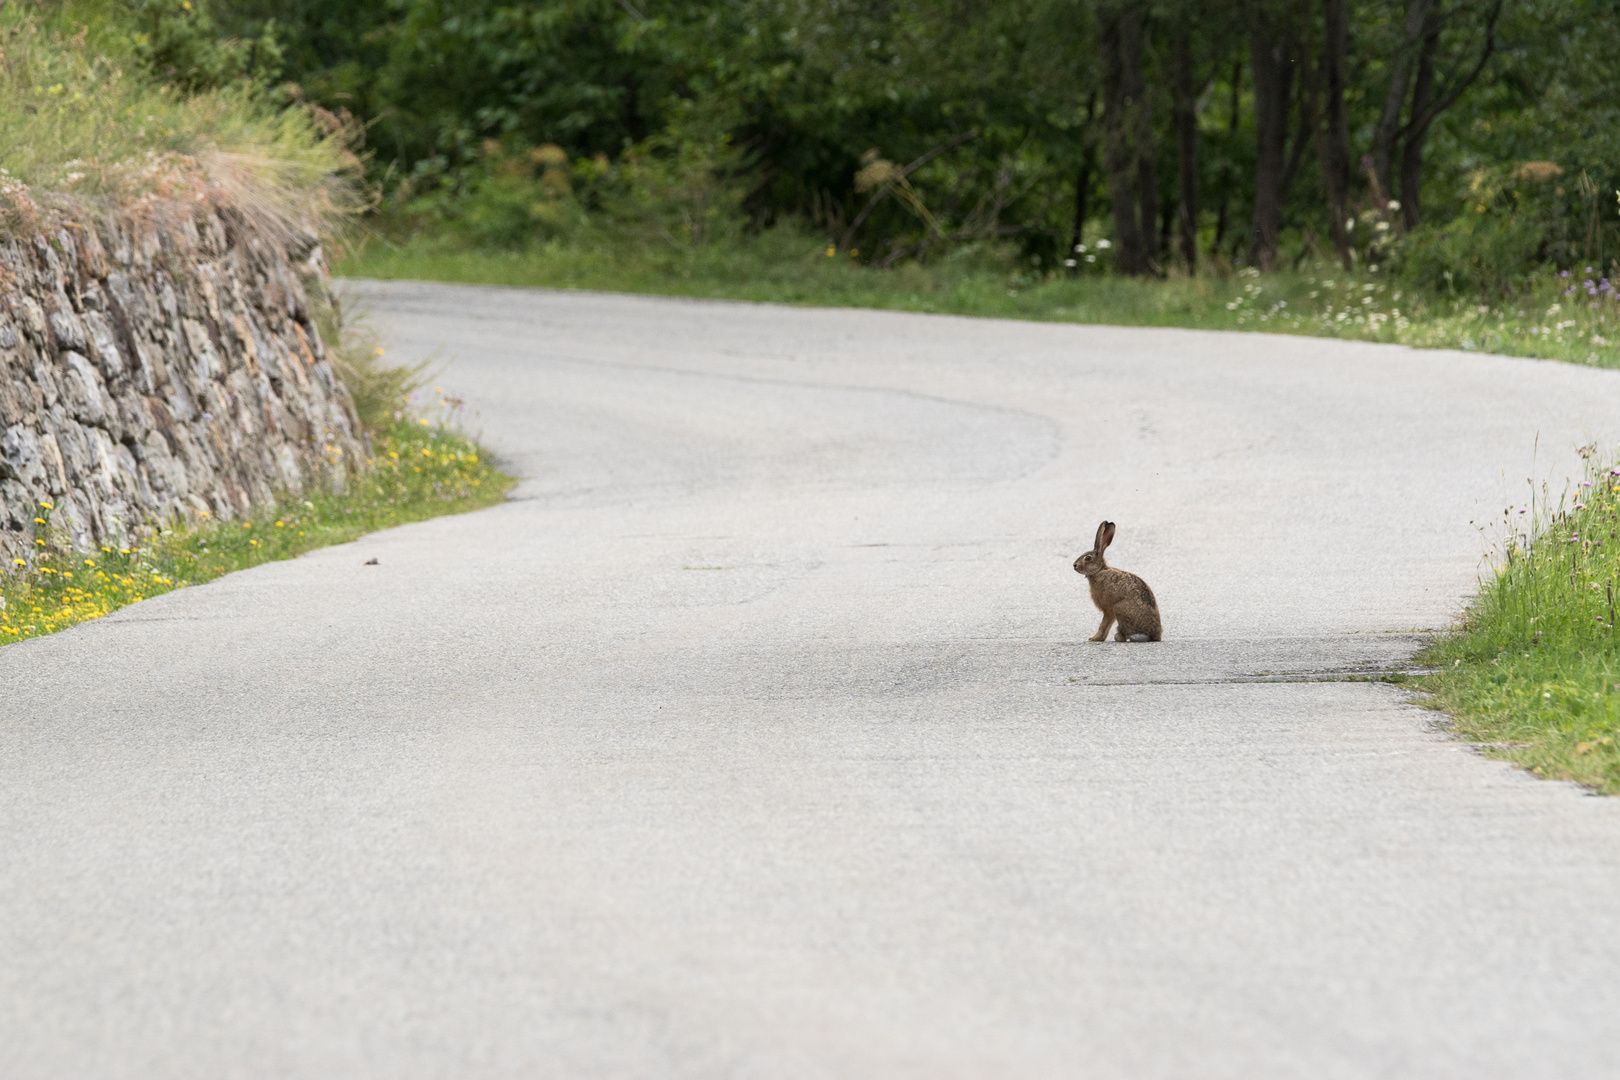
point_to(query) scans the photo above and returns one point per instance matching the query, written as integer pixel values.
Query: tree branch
(883, 192)
(1417, 124)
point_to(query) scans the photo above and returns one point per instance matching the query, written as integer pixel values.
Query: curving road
(757, 736)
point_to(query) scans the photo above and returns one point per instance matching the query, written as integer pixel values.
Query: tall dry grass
(86, 131)
(83, 125)
(379, 389)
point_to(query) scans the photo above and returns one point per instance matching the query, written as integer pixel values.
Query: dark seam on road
(1373, 675)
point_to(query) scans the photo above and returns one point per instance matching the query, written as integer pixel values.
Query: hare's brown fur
(1121, 596)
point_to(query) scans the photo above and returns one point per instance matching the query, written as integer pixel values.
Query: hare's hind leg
(1102, 631)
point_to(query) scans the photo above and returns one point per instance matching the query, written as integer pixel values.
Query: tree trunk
(1306, 123)
(1429, 101)
(1186, 143)
(1412, 145)
(1127, 154)
(1400, 78)
(1228, 173)
(1333, 137)
(1082, 183)
(1167, 221)
(1272, 60)
(1147, 170)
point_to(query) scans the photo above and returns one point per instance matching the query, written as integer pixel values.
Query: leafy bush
(178, 41)
(1519, 220)
(1473, 255)
(684, 188)
(509, 198)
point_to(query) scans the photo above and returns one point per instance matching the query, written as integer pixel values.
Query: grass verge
(418, 471)
(1572, 318)
(1533, 672)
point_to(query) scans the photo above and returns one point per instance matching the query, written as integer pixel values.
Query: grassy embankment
(1555, 319)
(84, 133)
(1533, 670)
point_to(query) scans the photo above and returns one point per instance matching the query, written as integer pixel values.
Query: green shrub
(511, 197)
(681, 189)
(178, 41)
(1488, 256)
(1519, 220)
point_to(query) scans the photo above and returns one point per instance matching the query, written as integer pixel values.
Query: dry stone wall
(160, 370)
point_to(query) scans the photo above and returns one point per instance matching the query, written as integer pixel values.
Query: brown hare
(1119, 595)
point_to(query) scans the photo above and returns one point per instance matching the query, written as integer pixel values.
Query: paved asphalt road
(758, 736)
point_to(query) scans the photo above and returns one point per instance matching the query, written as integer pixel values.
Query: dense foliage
(1473, 140)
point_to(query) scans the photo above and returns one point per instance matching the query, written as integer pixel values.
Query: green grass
(418, 471)
(1533, 672)
(786, 267)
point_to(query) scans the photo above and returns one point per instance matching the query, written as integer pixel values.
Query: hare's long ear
(1105, 535)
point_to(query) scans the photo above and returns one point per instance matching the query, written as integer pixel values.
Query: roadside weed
(1533, 671)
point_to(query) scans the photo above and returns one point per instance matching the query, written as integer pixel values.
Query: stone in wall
(154, 371)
